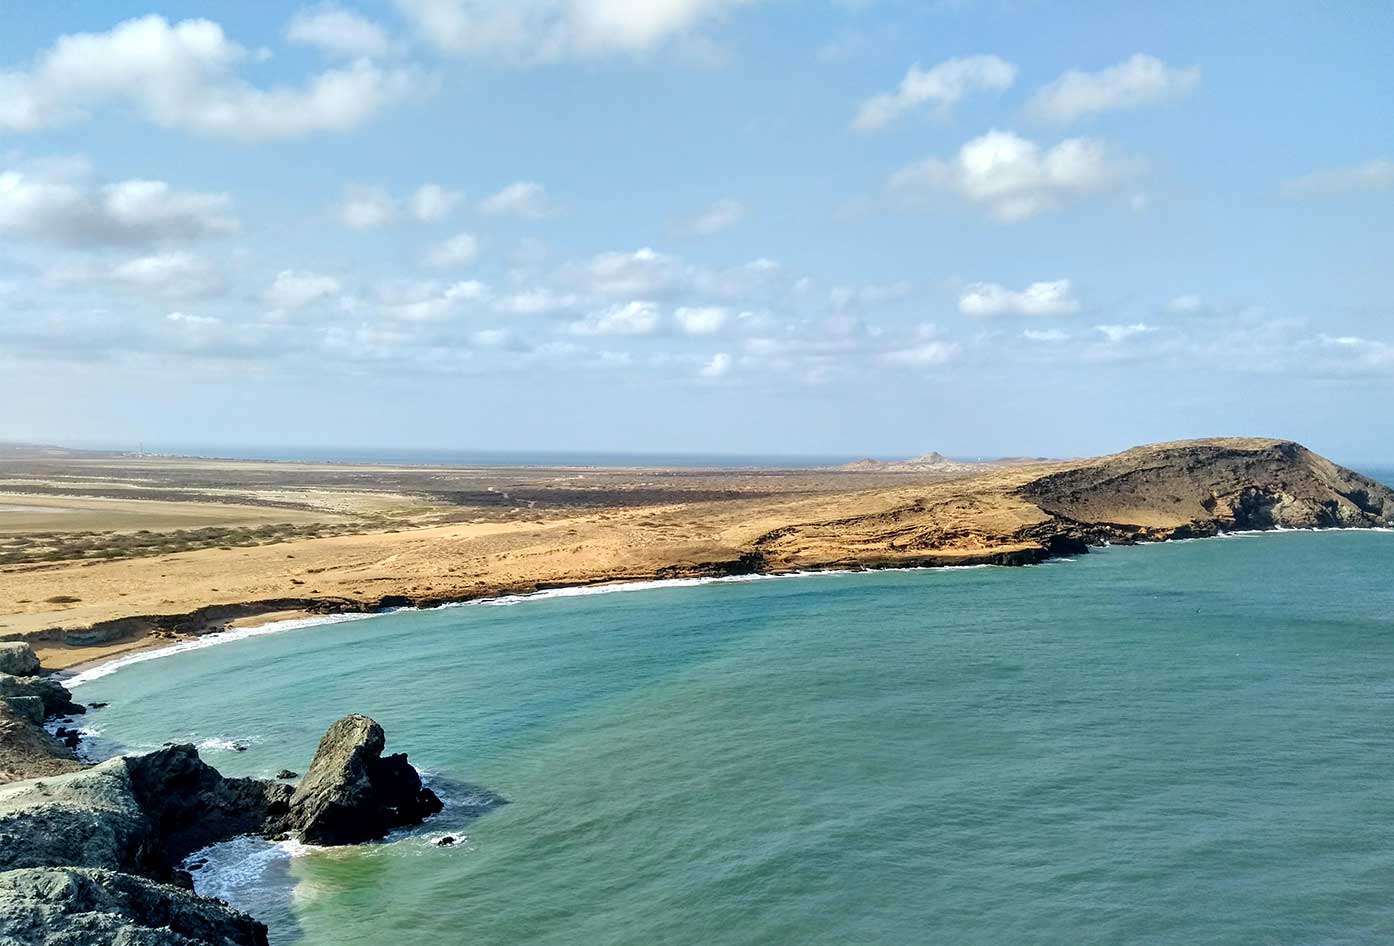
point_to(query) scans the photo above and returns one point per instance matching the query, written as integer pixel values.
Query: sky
(865, 227)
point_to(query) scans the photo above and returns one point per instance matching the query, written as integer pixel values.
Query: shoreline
(267, 623)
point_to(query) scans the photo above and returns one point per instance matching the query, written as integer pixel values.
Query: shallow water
(1175, 744)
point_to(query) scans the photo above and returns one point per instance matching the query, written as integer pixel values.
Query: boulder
(18, 658)
(352, 793)
(65, 906)
(56, 698)
(191, 805)
(27, 750)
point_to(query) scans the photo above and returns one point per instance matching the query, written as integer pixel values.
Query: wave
(207, 640)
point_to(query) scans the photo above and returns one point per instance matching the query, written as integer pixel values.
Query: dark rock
(17, 657)
(352, 793)
(68, 906)
(287, 774)
(445, 841)
(239, 747)
(96, 704)
(191, 805)
(27, 750)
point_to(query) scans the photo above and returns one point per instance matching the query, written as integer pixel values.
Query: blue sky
(708, 225)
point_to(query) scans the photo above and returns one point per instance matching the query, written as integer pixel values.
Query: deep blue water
(1176, 744)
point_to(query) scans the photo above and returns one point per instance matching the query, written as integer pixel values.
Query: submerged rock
(67, 906)
(18, 658)
(287, 774)
(352, 793)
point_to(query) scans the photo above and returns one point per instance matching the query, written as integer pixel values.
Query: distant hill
(932, 462)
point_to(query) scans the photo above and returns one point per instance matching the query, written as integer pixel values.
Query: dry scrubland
(103, 553)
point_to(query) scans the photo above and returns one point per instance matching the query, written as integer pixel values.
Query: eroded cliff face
(1161, 491)
(1219, 485)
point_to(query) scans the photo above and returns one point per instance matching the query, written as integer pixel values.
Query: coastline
(272, 622)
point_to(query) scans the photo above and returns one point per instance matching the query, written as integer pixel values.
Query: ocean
(1181, 743)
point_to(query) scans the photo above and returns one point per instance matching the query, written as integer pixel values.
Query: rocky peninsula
(438, 535)
(95, 854)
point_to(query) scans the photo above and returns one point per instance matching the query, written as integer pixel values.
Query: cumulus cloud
(701, 320)
(1040, 298)
(174, 273)
(431, 202)
(366, 208)
(944, 85)
(183, 76)
(1136, 81)
(1119, 333)
(63, 204)
(338, 32)
(1013, 177)
(525, 199)
(722, 215)
(719, 365)
(459, 250)
(1374, 175)
(631, 318)
(428, 301)
(295, 289)
(533, 31)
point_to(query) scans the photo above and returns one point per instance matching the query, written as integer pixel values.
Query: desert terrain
(103, 553)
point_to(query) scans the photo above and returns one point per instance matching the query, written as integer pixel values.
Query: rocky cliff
(93, 856)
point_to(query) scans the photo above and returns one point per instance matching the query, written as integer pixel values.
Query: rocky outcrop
(27, 750)
(70, 906)
(18, 658)
(352, 793)
(92, 856)
(56, 699)
(1201, 487)
(190, 805)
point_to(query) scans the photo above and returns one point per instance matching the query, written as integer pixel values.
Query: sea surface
(1185, 743)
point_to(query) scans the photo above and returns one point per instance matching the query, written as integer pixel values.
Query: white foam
(236, 865)
(207, 640)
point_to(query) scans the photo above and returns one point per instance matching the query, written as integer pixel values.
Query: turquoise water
(1179, 744)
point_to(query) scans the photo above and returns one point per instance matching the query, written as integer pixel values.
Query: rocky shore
(94, 854)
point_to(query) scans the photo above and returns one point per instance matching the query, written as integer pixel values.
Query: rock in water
(56, 698)
(191, 805)
(64, 906)
(18, 658)
(352, 793)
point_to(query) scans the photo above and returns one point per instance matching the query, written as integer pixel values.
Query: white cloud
(424, 302)
(630, 318)
(526, 199)
(295, 289)
(1039, 298)
(944, 85)
(842, 298)
(175, 273)
(459, 250)
(701, 320)
(1187, 304)
(1137, 81)
(182, 76)
(925, 355)
(431, 202)
(531, 31)
(719, 365)
(367, 208)
(62, 204)
(339, 32)
(1045, 335)
(722, 215)
(1355, 354)
(1374, 175)
(536, 302)
(1119, 333)
(1014, 177)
